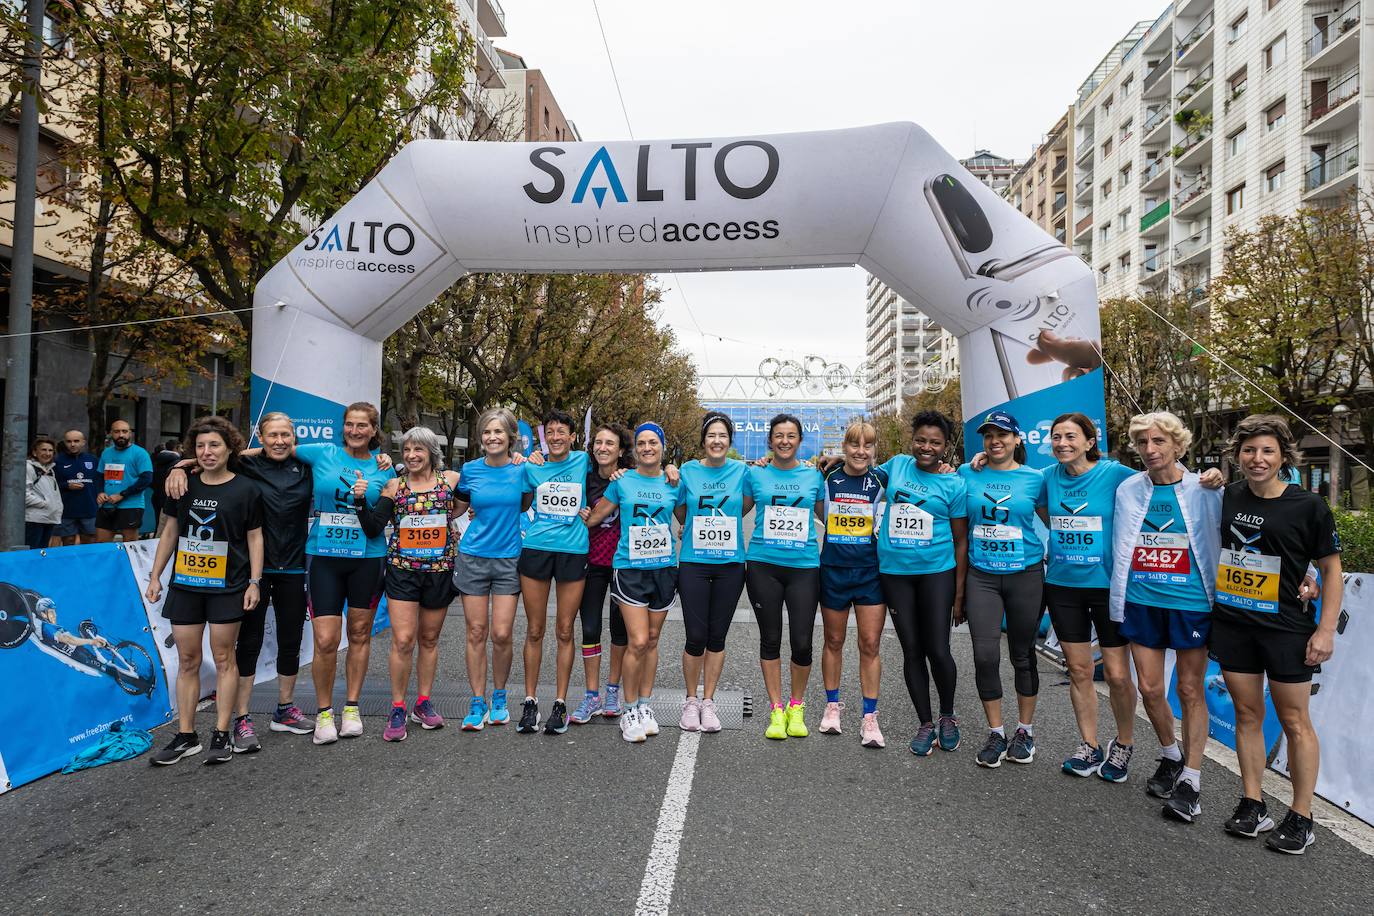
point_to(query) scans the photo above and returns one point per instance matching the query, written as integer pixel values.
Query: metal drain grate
(732, 705)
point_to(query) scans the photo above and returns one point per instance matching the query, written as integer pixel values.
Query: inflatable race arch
(887, 198)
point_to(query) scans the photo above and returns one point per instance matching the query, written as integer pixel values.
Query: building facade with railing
(907, 352)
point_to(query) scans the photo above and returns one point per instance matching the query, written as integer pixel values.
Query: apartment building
(1040, 187)
(1223, 111)
(907, 352)
(991, 169)
(527, 106)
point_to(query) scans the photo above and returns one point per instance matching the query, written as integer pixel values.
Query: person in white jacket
(1165, 544)
(42, 499)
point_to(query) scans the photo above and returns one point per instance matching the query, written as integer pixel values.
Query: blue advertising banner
(74, 632)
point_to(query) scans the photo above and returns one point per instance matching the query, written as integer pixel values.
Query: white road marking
(656, 890)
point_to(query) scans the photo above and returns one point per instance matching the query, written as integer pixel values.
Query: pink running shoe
(830, 721)
(424, 715)
(396, 725)
(869, 733)
(691, 715)
(710, 722)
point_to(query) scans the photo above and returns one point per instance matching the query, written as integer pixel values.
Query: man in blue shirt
(126, 471)
(79, 484)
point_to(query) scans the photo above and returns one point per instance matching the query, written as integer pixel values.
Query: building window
(1123, 219)
(1274, 115)
(1107, 147)
(1276, 52)
(1126, 130)
(1273, 177)
(1102, 272)
(1107, 106)
(1126, 86)
(1236, 84)
(1124, 262)
(1104, 233)
(1235, 143)
(174, 419)
(1239, 26)
(546, 117)
(1270, 4)
(1106, 189)
(1125, 176)
(1235, 199)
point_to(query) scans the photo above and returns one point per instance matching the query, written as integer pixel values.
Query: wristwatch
(254, 581)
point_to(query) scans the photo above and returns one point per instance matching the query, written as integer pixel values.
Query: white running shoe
(630, 727)
(647, 720)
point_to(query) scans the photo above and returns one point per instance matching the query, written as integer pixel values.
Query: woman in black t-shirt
(215, 533)
(1270, 532)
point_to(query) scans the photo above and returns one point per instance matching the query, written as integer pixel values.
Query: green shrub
(1357, 540)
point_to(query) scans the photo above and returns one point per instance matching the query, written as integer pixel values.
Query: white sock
(1028, 729)
(999, 730)
(1171, 752)
(529, 699)
(1192, 777)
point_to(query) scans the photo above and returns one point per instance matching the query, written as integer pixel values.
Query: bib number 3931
(201, 564)
(999, 548)
(786, 526)
(650, 543)
(714, 535)
(1248, 581)
(339, 534)
(423, 537)
(1161, 557)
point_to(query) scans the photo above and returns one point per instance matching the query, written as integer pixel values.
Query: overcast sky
(993, 74)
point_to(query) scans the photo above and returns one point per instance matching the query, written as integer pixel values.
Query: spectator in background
(74, 470)
(163, 462)
(126, 472)
(42, 500)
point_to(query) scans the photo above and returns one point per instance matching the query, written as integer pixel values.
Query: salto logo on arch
(743, 169)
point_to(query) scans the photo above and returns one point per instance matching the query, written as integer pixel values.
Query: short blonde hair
(507, 421)
(860, 431)
(1168, 424)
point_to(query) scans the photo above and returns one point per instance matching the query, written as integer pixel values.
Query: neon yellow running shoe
(796, 721)
(777, 724)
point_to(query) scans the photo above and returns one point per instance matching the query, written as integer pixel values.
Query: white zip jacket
(42, 499)
(1201, 510)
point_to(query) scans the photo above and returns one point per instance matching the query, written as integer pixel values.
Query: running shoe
(1293, 836)
(245, 736)
(395, 725)
(830, 719)
(948, 728)
(647, 720)
(796, 721)
(500, 713)
(923, 745)
(477, 715)
(529, 717)
(630, 727)
(221, 748)
(1161, 785)
(425, 715)
(1251, 818)
(613, 706)
(325, 732)
(1118, 762)
(558, 719)
(994, 751)
(181, 745)
(1022, 749)
(870, 735)
(590, 706)
(710, 721)
(1085, 761)
(292, 720)
(777, 724)
(352, 725)
(1185, 803)
(691, 715)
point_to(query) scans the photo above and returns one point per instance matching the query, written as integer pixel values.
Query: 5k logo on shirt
(996, 513)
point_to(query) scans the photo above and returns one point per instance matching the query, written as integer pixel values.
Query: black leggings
(988, 597)
(921, 607)
(770, 586)
(709, 593)
(594, 591)
(286, 593)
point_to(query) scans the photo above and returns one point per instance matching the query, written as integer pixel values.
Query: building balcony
(1334, 44)
(492, 18)
(1153, 122)
(1193, 194)
(1195, 248)
(1154, 79)
(1194, 148)
(1155, 267)
(1197, 42)
(1085, 148)
(1195, 85)
(1331, 110)
(1155, 173)
(1335, 174)
(1061, 200)
(1153, 222)
(1083, 225)
(1060, 169)
(487, 61)
(1084, 186)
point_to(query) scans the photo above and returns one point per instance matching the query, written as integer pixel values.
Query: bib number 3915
(339, 534)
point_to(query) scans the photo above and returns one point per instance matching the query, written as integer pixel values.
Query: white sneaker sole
(327, 739)
(291, 729)
(189, 752)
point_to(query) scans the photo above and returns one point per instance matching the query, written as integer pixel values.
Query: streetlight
(1337, 456)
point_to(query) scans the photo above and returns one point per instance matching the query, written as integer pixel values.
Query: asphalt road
(505, 823)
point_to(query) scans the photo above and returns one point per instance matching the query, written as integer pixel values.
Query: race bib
(715, 535)
(1161, 558)
(339, 534)
(422, 537)
(559, 501)
(909, 525)
(849, 521)
(1248, 581)
(202, 564)
(650, 543)
(114, 473)
(786, 526)
(1077, 539)
(998, 548)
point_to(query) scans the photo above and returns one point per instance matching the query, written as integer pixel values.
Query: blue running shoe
(1117, 762)
(948, 727)
(477, 715)
(590, 706)
(1022, 748)
(499, 714)
(923, 745)
(614, 706)
(1085, 761)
